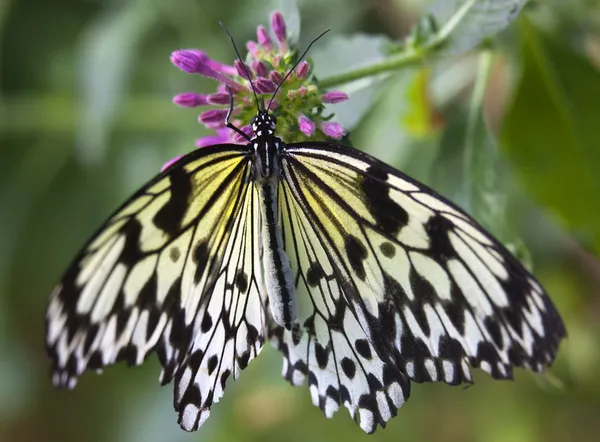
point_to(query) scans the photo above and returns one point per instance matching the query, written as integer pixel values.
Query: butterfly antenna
(243, 64)
(295, 66)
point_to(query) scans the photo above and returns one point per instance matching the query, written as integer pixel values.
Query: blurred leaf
(108, 56)
(484, 190)
(470, 171)
(421, 118)
(551, 131)
(471, 21)
(383, 134)
(21, 190)
(338, 55)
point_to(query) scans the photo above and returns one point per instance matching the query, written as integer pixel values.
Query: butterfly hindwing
(231, 321)
(417, 278)
(329, 345)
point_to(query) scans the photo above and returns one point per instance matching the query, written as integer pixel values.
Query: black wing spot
(251, 335)
(181, 333)
(243, 360)
(224, 376)
(314, 274)
(200, 258)
(322, 355)
(363, 349)
(438, 227)
(170, 216)
(357, 253)
(212, 363)
(206, 323)
(241, 281)
(493, 328)
(421, 287)
(456, 308)
(96, 362)
(131, 253)
(388, 249)
(450, 348)
(147, 297)
(154, 315)
(122, 320)
(349, 367)
(90, 337)
(174, 254)
(192, 396)
(390, 216)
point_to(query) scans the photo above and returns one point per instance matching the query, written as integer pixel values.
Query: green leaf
(551, 134)
(484, 189)
(468, 22)
(469, 170)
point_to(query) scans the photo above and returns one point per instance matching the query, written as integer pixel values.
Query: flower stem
(411, 56)
(408, 58)
(474, 117)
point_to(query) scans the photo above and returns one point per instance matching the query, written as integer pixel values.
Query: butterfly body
(279, 283)
(363, 278)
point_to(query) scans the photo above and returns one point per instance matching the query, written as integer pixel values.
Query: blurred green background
(86, 118)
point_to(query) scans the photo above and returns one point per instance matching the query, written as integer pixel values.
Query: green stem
(484, 67)
(412, 56)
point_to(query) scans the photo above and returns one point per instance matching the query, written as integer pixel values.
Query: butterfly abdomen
(276, 264)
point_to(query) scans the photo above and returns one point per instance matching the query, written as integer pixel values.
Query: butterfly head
(263, 123)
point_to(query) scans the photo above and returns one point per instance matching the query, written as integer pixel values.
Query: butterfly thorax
(265, 146)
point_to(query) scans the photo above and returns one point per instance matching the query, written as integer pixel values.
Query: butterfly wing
(172, 271)
(398, 284)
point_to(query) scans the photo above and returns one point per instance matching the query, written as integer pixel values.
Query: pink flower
(279, 29)
(333, 130)
(306, 126)
(262, 35)
(334, 97)
(302, 70)
(190, 99)
(299, 102)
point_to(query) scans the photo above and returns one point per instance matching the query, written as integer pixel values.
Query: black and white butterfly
(363, 278)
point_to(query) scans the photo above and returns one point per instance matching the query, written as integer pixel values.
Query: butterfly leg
(228, 124)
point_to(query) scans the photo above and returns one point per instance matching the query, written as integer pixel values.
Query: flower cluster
(298, 105)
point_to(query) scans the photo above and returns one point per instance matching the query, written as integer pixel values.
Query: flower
(298, 104)
(333, 130)
(306, 126)
(334, 97)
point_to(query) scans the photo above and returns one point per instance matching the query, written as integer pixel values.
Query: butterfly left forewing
(432, 291)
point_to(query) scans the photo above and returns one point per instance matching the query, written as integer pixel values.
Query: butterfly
(364, 279)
